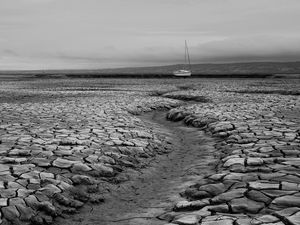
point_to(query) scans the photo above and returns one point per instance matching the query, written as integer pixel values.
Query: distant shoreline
(146, 76)
(235, 70)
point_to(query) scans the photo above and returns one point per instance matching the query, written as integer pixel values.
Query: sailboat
(185, 72)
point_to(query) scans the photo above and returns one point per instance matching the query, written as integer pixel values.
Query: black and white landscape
(96, 130)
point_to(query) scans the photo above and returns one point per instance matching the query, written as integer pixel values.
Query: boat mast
(187, 55)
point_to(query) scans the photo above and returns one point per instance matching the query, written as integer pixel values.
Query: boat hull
(182, 73)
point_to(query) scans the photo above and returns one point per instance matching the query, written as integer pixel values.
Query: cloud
(257, 43)
(8, 52)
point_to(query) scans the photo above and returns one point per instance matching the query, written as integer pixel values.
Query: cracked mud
(75, 152)
(156, 187)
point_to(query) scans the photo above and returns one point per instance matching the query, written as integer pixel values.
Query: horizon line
(131, 67)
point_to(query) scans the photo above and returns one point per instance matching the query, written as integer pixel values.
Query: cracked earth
(100, 151)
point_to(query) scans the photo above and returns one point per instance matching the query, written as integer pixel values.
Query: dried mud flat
(100, 151)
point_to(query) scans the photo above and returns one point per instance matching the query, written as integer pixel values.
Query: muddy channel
(155, 189)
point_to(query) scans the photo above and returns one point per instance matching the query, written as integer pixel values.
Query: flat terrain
(250, 69)
(102, 148)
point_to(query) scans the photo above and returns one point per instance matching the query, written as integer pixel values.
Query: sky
(91, 34)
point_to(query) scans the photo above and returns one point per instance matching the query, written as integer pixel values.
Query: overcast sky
(55, 34)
